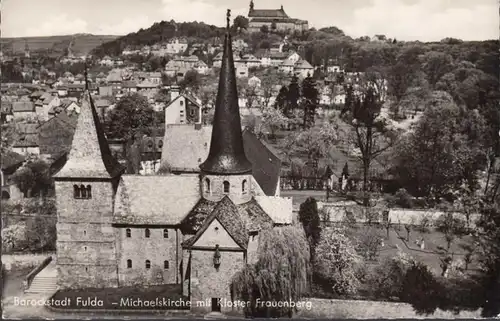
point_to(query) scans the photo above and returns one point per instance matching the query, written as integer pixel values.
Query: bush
(420, 289)
(336, 262)
(386, 279)
(41, 234)
(403, 199)
(14, 238)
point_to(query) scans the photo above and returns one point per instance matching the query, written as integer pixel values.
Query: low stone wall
(17, 261)
(325, 308)
(338, 212)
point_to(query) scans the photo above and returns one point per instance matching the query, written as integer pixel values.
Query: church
(274, 19)
(194, 230)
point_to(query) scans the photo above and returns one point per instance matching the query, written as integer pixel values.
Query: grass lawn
(161, 297)
(397, 241)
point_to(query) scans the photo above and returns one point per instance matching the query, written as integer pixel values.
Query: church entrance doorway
(215, 304)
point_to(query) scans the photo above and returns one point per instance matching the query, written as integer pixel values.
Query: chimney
(174, 92)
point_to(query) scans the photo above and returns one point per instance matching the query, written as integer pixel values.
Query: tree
(281, 273)
(33, 178)
(336, 262)
(310, 95)
(372, 137)
(267, 87)
(240, 23)
(443, 152)
(273, 120)
(488, 236)
(282, 99)
(293, 96)
(388, 276)
(309, 217)
(191, 80)
(41, 234)
(250, 93)
(420, 289)
(131, 118)
(315, 142)
(399, 77)
(264, 29)
(435, 65)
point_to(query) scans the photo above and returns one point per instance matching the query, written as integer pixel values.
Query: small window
(86, 269)
(84, 233)
(191, 112)
(148, 264)
(165, 265)
(244, 186)
(160, 143)
(129, 264)
(207, 185)
(226, 187)
(89, 191)
(150, 144)
(165, 233)
(147, 233)
(128, 232)
(85, 248)
(76, 191)
(83, 191)
(181, 103)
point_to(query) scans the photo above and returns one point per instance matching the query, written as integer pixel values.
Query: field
(82, 43)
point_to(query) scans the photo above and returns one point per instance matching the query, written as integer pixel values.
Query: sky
(424, 20)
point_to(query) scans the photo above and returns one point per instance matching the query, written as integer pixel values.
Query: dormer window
(226, 187)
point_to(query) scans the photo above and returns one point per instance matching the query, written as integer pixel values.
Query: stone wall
(156, 249)
(86, 254)
(216, 192)
(208, 282)
(75, 276)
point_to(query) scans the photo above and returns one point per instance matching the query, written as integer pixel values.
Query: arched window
(83, 191)
(165, 233)
(89, 191)
(160, 144)
(147, 233)
(128, 232)
(84, 233)
(76, 191)
(85, 248)
(207, 185)
(226, 187)
(165, 265)
(148, 264)
(244, 186)
(129, 264)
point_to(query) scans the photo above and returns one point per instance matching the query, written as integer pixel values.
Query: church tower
(85, 190)
(227, 171)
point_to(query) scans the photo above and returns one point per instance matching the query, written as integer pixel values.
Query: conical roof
(90, 156)
(226, 155)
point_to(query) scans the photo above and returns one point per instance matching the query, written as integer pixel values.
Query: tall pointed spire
(227, 155)
(89, 156)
